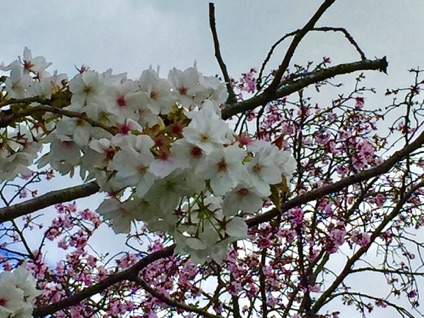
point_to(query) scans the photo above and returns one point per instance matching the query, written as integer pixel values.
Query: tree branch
(231, 95)
(128, 274)
(320, 29)
(272, 88)
(8, 119)
(11, 212)
(294, 86)
(401, 310)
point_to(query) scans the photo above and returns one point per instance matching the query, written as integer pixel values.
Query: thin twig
(348, 36)
(349, 263)
(231, 95)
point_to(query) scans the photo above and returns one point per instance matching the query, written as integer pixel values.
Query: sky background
(130, 35)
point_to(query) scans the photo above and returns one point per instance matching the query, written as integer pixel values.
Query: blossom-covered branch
(128, 274)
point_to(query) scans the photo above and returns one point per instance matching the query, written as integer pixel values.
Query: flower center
(87, 89)
(257, 168)
(221, 165)
(195, 152)
(243, 192)
(182, 90)
(154, 95)
(204, 137)
(3, 301)
(121, 101)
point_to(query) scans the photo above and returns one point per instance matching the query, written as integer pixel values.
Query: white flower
(104, 147)
(186, 84)
(120, 213)
(26, 282)
(86, 88)
(36, 65)
(268, 166)
(264, 171)
(187, 155)
(17, 83)
(132, 169)
(75, 129)
(17, 291)
(42, 87)
(19, 154)
(214, 89)
(64, 155)
(159, 91)
(125, 101)
(11, 299)
(244, 198)
(224, 168)
(207, 130)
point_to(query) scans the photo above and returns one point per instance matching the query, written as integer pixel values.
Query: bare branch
(272, 88)
(321, 29)
(231, 95)
(400, 310)
(347, 35)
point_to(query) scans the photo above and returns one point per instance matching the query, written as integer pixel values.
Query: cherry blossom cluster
(17, 293)
(158, 146)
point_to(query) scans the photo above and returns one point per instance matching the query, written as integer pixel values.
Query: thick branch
(291, 87)
(11, 212)
(128, 274)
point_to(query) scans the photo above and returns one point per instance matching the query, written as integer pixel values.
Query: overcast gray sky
(130, 35)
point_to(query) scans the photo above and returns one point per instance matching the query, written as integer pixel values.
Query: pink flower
(360, 238)
(296, 215)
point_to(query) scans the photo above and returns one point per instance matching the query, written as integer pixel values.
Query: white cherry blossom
(224, 168)
(120, 213)
(243, 197)
(161, 97)
(207, 130)
(86, 88)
